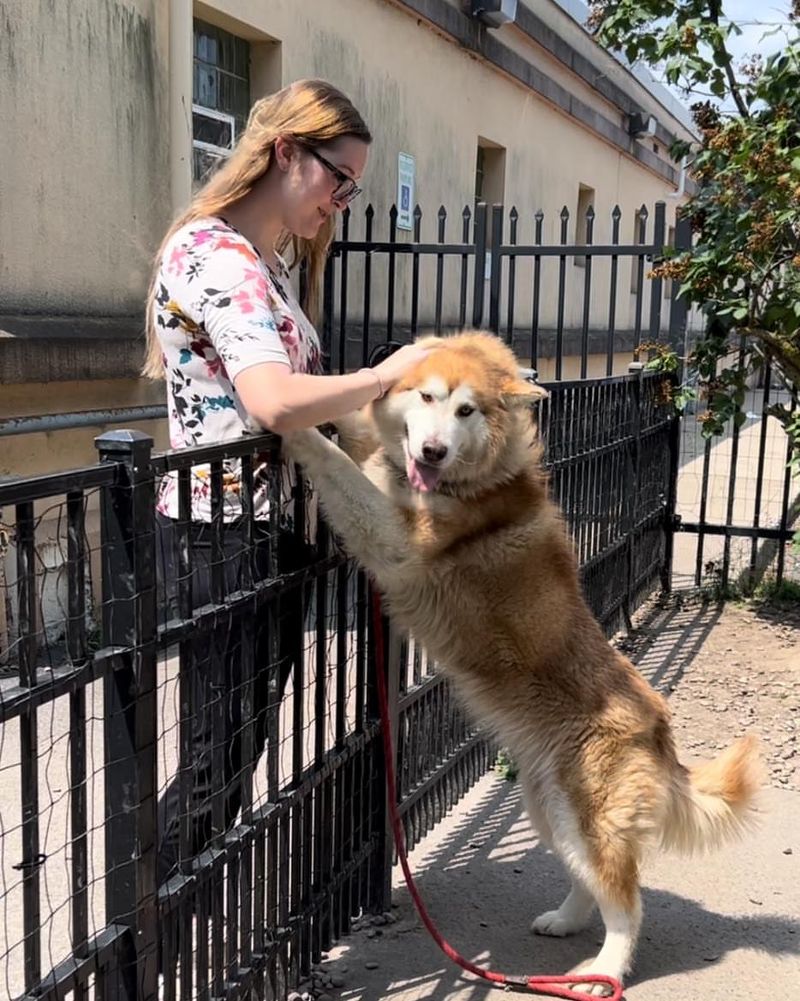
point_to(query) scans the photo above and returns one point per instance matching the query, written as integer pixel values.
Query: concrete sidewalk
(715, 928)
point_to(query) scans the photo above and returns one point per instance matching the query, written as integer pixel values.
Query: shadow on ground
(667, 638)
(486, 877)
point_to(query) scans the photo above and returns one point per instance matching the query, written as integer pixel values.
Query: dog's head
(462, 416)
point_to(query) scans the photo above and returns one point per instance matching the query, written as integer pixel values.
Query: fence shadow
(667, 637)
(485, 880)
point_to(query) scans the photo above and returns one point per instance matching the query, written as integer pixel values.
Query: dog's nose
(433, 451)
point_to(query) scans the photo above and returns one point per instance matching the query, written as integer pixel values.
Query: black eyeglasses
(346, 188)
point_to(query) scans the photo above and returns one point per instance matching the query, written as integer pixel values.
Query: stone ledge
(70, 348)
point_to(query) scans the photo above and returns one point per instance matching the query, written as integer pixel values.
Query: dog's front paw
(301, 446)
(554, 923)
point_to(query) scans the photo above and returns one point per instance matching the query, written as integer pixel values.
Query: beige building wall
(86, 84)
(84, 194)
(423, 94)
(83, 163)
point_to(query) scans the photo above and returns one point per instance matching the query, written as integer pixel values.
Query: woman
(237, 348)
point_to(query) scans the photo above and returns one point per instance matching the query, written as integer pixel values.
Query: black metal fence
(612, 448)
(573, 298)
(566, 298)
(738, 508)
(102, 713)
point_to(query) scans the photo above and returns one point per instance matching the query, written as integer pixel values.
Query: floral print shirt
(219, 309)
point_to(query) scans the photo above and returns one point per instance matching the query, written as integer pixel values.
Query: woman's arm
(280, 400)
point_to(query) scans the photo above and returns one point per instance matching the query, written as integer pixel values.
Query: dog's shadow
(484, 882)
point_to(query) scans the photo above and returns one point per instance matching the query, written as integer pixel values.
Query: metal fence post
(656, 284)
(496, 279)
(129, 623)
(679, 307)
(635, 369)
(670, 518)
(479, 276)
(380, 882)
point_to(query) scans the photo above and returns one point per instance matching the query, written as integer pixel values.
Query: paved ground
(718, 927)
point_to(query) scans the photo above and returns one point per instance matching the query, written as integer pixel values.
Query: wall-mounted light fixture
(641, 125)
(492, 13)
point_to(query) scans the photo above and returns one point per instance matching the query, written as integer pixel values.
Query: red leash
(556, 987)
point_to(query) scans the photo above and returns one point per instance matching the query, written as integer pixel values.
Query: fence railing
(559, 299)
(242, 719)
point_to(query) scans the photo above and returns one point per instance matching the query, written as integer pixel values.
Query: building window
(221, 95)
(582, 228)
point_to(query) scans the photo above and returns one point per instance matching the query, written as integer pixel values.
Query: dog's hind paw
(594, 990)
(554, 923)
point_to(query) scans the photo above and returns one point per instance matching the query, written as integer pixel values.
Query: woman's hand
(280, 400)
(396, 365)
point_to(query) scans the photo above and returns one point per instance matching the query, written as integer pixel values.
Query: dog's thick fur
(474, 560)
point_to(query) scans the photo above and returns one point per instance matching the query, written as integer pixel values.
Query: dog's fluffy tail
(715, 801)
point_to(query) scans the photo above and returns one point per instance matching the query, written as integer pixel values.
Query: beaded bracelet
(372, 371)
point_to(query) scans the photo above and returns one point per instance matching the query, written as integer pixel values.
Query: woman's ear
(284, 151)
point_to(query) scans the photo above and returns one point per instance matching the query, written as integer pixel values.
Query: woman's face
(318, 180)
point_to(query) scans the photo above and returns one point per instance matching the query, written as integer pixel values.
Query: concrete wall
(36, 454)
(426, 95)
(83, 163)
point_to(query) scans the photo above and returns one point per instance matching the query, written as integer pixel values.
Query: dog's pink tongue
(421, 477)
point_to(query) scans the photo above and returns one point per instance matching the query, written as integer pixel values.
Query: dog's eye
(465, 410)
(426, 397)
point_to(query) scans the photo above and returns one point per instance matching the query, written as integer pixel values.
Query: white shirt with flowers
(219, 309)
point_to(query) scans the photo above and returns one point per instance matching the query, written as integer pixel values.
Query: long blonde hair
(310, 111)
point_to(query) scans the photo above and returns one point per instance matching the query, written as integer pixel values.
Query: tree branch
(715, 7)
(783, 351)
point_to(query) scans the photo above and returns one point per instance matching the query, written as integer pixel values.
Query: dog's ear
(430, 341)
(521, 393)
